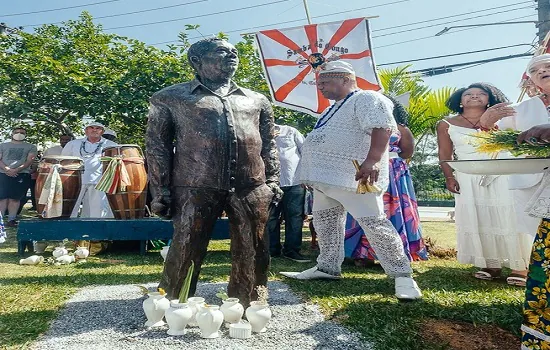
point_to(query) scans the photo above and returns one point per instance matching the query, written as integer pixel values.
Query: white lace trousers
(330, 205)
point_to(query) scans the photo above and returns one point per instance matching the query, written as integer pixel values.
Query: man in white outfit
(89, 149)
(356, 127)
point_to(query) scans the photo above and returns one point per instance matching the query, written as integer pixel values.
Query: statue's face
(221, 60)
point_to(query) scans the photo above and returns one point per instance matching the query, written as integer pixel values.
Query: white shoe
(311, 274)
(407, 289)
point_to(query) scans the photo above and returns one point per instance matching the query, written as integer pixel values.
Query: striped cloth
(115, 178)
(52, 194)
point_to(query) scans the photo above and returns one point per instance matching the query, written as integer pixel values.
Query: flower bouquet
(495, 141)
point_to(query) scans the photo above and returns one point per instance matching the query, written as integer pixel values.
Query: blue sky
(393, 39)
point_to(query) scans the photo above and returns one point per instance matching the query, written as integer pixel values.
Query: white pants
(329, 216)
(358, 205)
(94, 203)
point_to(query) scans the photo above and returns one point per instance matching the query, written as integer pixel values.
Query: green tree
(55, 76)
(426, 108)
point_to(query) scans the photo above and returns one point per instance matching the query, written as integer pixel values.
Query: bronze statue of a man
(210, 147)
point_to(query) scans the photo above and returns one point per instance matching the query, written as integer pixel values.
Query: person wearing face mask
(486, 227)
(89, 149)
(16, 156)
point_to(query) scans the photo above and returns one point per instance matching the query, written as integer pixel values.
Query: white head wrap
(545, 58)
(337, 67)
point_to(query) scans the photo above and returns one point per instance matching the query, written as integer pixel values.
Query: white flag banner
(292, 57)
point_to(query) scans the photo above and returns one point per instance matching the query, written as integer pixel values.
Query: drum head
(60, 158)
(122, 146)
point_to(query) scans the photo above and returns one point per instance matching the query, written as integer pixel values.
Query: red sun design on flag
(289, 56)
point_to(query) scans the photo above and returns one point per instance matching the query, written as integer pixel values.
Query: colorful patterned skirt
(401, 209)
(536, 310)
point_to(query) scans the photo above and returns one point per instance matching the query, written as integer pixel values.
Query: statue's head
(213, 58)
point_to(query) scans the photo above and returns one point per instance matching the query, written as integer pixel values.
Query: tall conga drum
(128, 204)
(70, 171)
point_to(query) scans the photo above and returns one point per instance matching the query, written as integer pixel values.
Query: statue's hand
(161, 206)
(277, 192)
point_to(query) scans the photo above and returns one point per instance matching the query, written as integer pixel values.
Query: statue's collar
(195, 83)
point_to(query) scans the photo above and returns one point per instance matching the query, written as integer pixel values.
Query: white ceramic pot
(65, 259)
(209, 319)
(178, 316)
(59, 251)
(81, 253)
(164, 252)
(258, 314)
(241, 330)
(32, 260)
(194, 303)
(154, 307)
(232, 310)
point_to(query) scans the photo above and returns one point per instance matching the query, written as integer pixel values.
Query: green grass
(363, 300)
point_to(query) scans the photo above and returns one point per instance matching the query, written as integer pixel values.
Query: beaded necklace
(327, 116)
(86, 154)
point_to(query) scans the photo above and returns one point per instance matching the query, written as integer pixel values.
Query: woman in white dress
(485, 215)
(527, 114)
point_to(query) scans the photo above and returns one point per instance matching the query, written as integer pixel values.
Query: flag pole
(307, 12)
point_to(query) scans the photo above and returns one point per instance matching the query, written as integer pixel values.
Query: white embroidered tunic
(329, 149)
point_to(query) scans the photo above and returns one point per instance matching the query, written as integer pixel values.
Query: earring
(461, 105)
(488, 105)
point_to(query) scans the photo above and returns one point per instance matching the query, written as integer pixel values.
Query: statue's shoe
(311, 274)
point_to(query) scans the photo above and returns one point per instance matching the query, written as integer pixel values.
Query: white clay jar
(154, 307)
(178, 316)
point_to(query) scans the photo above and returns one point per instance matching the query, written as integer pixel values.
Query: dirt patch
(456, 335)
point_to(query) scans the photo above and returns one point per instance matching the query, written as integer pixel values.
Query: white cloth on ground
(485, 216)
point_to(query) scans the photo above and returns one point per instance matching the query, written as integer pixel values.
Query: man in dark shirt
(225, 159)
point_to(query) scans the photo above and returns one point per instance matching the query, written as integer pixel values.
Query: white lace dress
(485, 215)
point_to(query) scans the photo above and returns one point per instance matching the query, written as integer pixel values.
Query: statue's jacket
(196, 138)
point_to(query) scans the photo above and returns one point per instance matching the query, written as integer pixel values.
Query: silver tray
(500, 166)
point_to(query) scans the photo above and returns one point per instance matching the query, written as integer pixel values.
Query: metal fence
(435, 198)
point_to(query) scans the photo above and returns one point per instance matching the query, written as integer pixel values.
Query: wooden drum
(71, 178)
(131, 203)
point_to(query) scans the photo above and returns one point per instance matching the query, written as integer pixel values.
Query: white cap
(337, 67)
(545, 58)
(109, 132)
(95, 124)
